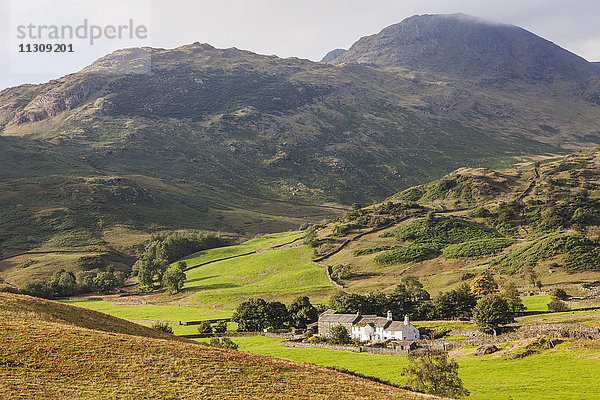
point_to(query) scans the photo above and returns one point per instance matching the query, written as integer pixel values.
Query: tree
(174, 278)
(339, 335)
(250, 315)
(302, 312)
(346, 303)
(277, 315)
(163, 327)
(341, 271)
(484, 284)
(557, 305)
(432, 372)
(491, 312)
(205, 328)
(455, 303)
(221, 327)
(63, 284)
(511, 294)
(105, 282)
(559, 294)
(310, 237)
(151, 265)
(533, 277)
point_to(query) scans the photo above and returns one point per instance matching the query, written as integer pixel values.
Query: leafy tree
(484, 284)
(221, 327)
(511, 294)
(302, 312)
(38, 289)
(455, 303)
(557, 305)
(277, 315)
(341, 271)
(163, 327)
(414, 289)
(346, 303)
(257, 314)
(105, 282)
(559, 293)
(432, 372)
(339, 335)
(151, 265)
(533, 277)
(491, 312)
(204, 328)
(91, 262)
(310, 237)
(174, 278)
(251, 315)
(63, 284)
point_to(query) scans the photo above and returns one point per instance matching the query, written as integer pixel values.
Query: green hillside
(540, 219)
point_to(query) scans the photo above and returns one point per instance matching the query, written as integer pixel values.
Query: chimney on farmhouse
(389, 316)
(406, 321)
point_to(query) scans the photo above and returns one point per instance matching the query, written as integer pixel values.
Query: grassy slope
(568, 371)
(213, 290)
(56, 360)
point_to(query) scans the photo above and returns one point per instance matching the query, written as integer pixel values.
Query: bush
(445, 230)
(341, 271)
(205, 328)
(557, 305)
(91, 262)
(559, 293)
(220, 327)
(163, 327)
(411, 253)
(224, 343)
(339, 335)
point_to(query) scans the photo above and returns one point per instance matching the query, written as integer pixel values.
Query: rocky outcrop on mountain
(467, 47)
(332, 55)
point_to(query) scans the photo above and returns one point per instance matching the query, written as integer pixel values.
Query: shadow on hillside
(212, 287)
(203, 278)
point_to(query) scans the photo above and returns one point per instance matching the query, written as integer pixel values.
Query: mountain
(223, 139)
(468, 47)
(539, 220)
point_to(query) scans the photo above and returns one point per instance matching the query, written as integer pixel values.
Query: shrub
(91, 262)
(559, 294)
(341, 271)
(339, 335)
(163, 327)
(476, 248)
(205, 328)
(224, 343)
(557, 305)
(221, 327)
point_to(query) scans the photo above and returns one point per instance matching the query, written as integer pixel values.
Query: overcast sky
(305, 29)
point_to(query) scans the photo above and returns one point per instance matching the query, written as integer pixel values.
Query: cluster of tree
(257, 314)
(152, 267)
(65, 283)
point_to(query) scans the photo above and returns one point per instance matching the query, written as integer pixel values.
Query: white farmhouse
(369, 327)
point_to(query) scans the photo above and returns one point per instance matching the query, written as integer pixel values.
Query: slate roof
(340, 318)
